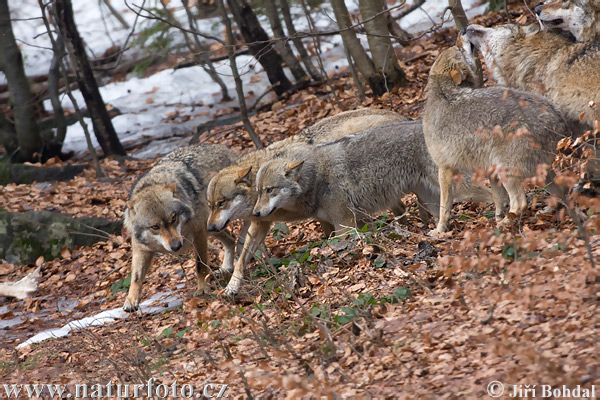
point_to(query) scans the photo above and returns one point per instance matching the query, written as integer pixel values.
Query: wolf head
(456, 63)
(230, 195)
(575, 16)
(493, 42)
(277, 184)
(156, 217)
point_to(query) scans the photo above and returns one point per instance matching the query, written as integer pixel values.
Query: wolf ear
(292, 170)
(243, 176)
(172, 187)
(457, 76)
(531, 29)
(131, 206)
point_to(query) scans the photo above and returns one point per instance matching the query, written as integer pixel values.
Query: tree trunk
(304, 56)
(236, 76)
(200, 53)
(461, 22)
(103, 127)
(54, 93)
(11, 63)
(259, 45)
(283, 47)
(8, 136)
(380, 43)
(364, 64)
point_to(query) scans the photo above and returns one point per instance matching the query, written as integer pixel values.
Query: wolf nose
(463, 31)
(538, 8)
(211, 228)
(256, 213)
(176, 245)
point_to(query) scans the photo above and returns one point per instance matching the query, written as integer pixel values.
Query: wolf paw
(131, 305)
(201, 291)
(233, 287)
(221, 273)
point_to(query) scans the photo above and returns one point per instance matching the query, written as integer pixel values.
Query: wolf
(581, 18)
(523, 57)
(231, 193)
(467, 128)
(167, 213)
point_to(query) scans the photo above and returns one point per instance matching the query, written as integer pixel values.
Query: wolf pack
(349, 166)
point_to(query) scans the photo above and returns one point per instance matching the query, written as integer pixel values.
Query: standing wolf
(579, 17)
(232, 193)
(543, 62)
(469, 128)
(167, 213)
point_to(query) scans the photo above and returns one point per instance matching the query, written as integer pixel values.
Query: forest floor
(390, 313)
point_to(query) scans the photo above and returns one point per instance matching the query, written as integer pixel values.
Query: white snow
(148, 104)
(108, 316)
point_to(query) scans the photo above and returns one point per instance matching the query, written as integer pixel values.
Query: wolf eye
(221, 204)
(174, 218)
(270, 190)
(155, 227)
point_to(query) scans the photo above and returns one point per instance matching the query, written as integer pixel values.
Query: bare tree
(229, 45)
(364, 64)
(461, 22)
(380, 43)
(304, 56)
(283, 46)
(201, 55)
(103, 127)
(11, 63)
(259, 44)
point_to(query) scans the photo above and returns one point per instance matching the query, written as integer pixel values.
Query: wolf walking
(232, 192)
(167, 213)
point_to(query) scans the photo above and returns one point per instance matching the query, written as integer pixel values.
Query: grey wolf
(468, 128)
(231, 194)
(167, 213)
(545, 63)
(579, 17)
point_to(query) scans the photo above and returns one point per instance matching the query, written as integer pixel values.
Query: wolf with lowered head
(167, 213)
(232, 193)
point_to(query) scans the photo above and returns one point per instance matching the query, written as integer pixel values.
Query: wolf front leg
(256, 234)
(228, 242)
(140, 263)
(445, 180)
(202, 268)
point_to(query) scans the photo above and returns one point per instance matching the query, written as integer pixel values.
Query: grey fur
(178, 211)
(468, 128)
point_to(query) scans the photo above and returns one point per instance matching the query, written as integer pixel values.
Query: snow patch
(173, 301)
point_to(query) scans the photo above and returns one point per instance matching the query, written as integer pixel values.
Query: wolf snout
(175, 245)
(538, 7)
(211, 228)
